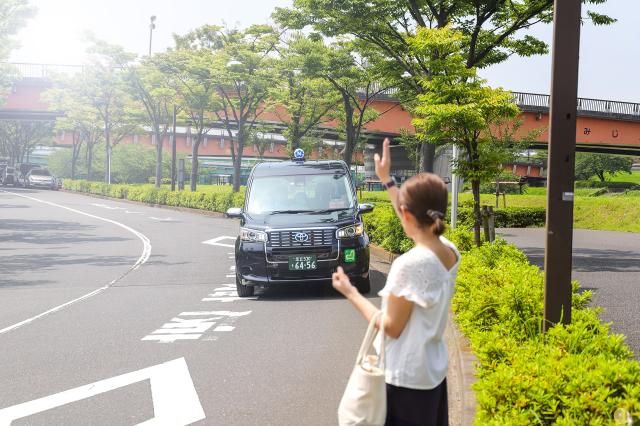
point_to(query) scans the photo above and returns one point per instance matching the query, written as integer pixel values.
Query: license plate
(302, 263)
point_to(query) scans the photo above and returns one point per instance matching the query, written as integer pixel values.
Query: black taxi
(300, 221)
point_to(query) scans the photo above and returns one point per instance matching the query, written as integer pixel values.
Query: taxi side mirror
(234, 212)
(365, 208)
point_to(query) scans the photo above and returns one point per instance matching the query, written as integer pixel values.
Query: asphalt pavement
(113, 313)
(608, 263)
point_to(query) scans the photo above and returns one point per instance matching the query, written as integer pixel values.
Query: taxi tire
(363, 285)
(243, 290)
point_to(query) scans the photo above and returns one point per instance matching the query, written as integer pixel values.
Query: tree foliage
(493, 32)
(601, 165)
(458, 107)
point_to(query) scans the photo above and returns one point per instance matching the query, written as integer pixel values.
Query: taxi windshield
(300, 193)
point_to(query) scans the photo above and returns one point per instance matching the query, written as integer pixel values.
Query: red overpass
(602, 126)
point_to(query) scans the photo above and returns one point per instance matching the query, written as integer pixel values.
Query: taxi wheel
(363, 285)
(243, 290)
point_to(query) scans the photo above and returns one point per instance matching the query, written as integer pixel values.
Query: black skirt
(414, 407)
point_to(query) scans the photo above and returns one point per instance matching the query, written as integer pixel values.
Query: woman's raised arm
(383, 170)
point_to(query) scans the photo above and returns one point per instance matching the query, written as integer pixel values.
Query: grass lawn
(624, 177)
(608, 213)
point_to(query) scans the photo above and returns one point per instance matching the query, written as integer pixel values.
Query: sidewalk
(462, 402)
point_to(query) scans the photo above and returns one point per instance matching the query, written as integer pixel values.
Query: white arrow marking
(175, 400)
(166, 219)
(216, 241)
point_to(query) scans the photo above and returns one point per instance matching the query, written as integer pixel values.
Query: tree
(243, 70)
(601, 165)
(18, 138)
(13, 16)
(356, 83)
(101, 87)
(145, 83)
(492, 29)
(458, 107)
(189, 70)
(81, 118)
(302, 97)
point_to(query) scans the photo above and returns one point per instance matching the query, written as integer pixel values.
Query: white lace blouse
(418, 358)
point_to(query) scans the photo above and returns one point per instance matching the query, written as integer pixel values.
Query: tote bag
(365, 399)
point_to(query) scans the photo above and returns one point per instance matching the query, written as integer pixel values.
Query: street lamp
(152, 26)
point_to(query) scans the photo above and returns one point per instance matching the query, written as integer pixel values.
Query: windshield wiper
(332, 210)
(291, 211)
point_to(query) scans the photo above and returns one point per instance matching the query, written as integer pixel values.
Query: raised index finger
(386, 149)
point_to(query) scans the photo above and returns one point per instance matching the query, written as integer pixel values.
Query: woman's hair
(425, 197)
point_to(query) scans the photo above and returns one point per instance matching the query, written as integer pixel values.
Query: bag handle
(369, 338)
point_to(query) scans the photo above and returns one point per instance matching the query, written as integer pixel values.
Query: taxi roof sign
(298, 154)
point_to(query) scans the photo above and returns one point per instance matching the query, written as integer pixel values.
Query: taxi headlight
(252, 235)
(350, 231)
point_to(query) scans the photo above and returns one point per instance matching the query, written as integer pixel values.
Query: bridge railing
(586, 106)
(31, 70)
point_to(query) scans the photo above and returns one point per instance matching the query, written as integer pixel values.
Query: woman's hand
(341, 282)
(383, 165)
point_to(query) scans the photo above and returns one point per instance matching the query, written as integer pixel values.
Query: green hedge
(217, 199)
(608, 184)
(509, 217)
(575, 374)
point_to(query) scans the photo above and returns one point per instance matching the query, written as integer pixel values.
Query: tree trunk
(194, 163)
(107, 142)
(349, 130)
(89, 160)
(159, 143)
(236, 174)
(477, 218)
(427, 157)
(237, 164)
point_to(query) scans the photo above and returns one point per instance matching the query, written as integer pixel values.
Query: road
(114, 313)
(608, 263)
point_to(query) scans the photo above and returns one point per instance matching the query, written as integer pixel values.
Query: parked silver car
(40, 178)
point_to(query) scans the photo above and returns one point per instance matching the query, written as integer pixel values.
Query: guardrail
(586, 106)
(32, 70)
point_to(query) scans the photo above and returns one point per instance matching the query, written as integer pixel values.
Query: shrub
(509, 217)
(607, 184)
(213, 198)
(573, 374)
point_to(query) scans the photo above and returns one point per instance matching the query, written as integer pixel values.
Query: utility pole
(561, 163)
(173, 150)
(152, 26)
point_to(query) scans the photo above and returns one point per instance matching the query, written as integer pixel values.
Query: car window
(40, 173)
(300, 192)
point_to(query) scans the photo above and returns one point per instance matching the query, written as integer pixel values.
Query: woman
(416, 300)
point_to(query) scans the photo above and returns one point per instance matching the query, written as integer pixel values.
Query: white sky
(609, 55)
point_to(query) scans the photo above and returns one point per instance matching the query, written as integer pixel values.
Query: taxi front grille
(301, 238)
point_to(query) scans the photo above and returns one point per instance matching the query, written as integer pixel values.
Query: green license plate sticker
(349, 255)
(302, 263)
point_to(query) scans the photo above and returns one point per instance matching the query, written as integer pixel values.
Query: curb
(462, 361)
(161, 206)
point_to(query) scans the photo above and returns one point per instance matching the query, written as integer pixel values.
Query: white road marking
(166, 219)
(231, 276)
(105, 206)
(171, 338)
(128, 212)
(194, 328)
(223, 313)
(175, 400)
(146, 252)
(216, 241)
